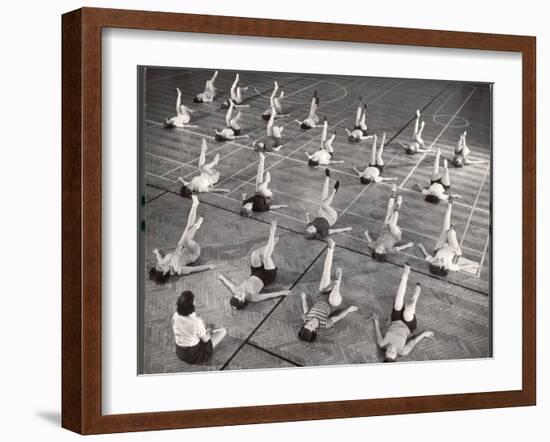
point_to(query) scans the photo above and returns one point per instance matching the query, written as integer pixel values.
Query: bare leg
(394, 228)
(324, 133)
(267, 259)
(379, 160)
(435, 172)
(446, 223)
(234, 122)
(191, 218)
(202, 158)
(335, 298)
(328, 143)
(229, 114)
(410, 308)
(326, 184)
(271, 122)
(260, 174)
(312, 107)
(416, 124)
(213, 79)
(358, 112)
(363, 121)
(391, 202)
(263, 188)
(446, 178)
(453, 242)
(234, 86)
(178, 102)
(207, 168)
(400, 296)
(418, 137)
(217, 336)
(373, 152)
(325, 283)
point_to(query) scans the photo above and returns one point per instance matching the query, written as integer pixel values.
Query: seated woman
(263, 272)
(390, 233)
(194, 342)
(209, 93)
(180, 261)
(398, 341)
(417, 143)
(312, 119)
(462, 154)
(323, 157)
(235, 94)
(373, 172)
(262, 198)
(439, 184)
(208, 178)
(322, 314)
(183, 115)
(359, 132)
(232, 131)
(447, 249)
(320, 227)
(274, 103)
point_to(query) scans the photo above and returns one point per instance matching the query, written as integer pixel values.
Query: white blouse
(187, 329)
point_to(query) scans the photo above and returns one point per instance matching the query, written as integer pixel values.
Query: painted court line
(475, 204)
(437, 138)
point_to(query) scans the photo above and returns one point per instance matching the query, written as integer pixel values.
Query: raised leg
(358, 112)
(267, 252)
(416, 124)
(379, 160)
(263, 188)
(213, 79)
(191, 218)
(260, 173)
(326, 184)
(373, 151)
(363, 121)
(435, 171)
(446, 223)
(394, 228)
(204, 148)
(229, 114)
(271, 122)
(391, 203)
(446, 178)
(335, 297)
(325, 283)
(400, 296)
(410, 308)
(178, 102)
(324, 133)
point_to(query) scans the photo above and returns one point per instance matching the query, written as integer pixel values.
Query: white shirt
(187, 329)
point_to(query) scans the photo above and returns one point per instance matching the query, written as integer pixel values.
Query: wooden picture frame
(82, 227)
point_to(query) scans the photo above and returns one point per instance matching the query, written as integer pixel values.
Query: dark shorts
(196, 354)
(397, 315)
(380, 168)
(312, 163)
(267, 276)
(438, 181)
(410, 151)
(236, 132)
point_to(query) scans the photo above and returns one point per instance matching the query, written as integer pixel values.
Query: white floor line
(475, 204)
(161, 177)
(437, 138)
(483, 254)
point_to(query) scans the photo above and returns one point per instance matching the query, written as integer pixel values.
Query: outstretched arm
(307, 217)
(232, 287)
(358, 172)
(342, 230)
(427, 256)
(342, 315)
(412, 343)
(278, 206)
(305, 307)
(468, 161)
(379, 179)
(187, 270)
(404, 246)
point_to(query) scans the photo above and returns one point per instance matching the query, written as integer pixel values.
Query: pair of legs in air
(235, 94)
(208, 177)
(320, 226)
(396, 341)
(275, 102)
(462, 154)
(447, 249)
(186, 252)
(323, 157)
(312, 119)
(263, 272)
(261, 201)
(391, 233)
(322, 314)
(183, 115)
(373, 172)
(359, 131)
(209, 93)
(439, 183)
(416, 145)
(232, 131)
(274, 134)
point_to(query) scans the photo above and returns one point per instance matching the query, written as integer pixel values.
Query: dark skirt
(267, 276)
(196, 354)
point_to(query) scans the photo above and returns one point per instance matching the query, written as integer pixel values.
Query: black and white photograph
(298, 220)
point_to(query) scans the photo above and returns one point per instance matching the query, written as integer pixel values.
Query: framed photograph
(269, 221)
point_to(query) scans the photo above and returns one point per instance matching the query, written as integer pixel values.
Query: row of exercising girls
(195, 342)
(322, 224)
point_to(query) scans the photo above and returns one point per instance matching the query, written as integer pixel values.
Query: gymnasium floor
(264, 335)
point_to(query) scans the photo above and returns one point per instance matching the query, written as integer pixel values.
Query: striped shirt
(187, 329)
(321, 311)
